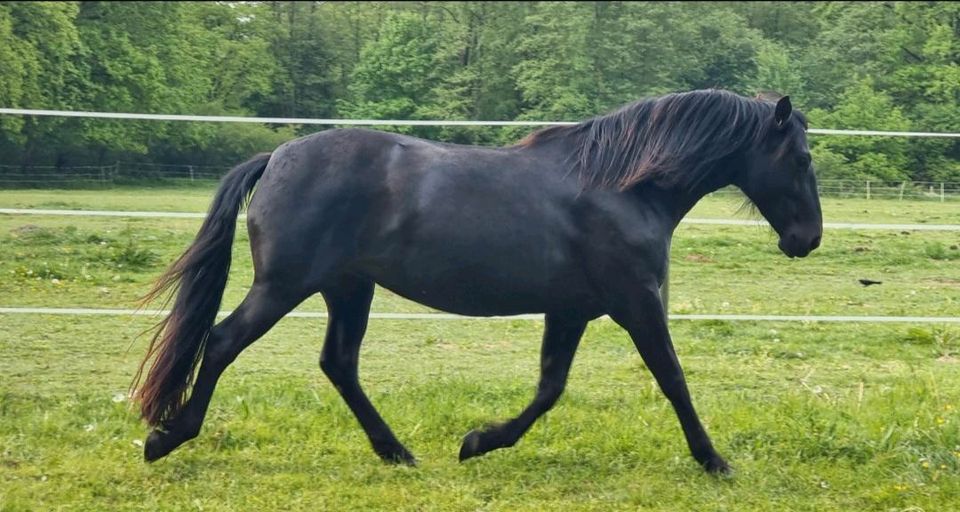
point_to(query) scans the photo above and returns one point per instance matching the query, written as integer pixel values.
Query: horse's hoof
(154, 447)
(397, 455)
(404, 457)
(471, 445)
(717, 466)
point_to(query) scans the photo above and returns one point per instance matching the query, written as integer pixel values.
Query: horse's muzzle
(799, 245)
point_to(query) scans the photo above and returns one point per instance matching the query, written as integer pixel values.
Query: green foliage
(131, 256)
(300, 44)
(945, 342)
(862, 65)
(939, 251)
(776, 72)
(554, 75)
(394, 74)
(880, 158)
(38, 41)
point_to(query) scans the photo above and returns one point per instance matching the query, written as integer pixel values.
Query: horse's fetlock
(191, 431)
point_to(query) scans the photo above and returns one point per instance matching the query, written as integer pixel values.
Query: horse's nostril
(815, 243)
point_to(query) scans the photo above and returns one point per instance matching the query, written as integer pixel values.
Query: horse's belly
(479, 286)
(484, 300)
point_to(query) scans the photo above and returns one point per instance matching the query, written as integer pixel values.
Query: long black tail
(199, 278)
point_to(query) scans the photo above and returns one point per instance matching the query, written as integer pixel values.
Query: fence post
(902, 186)
(941, 192)
(191, 173)
(868, 189)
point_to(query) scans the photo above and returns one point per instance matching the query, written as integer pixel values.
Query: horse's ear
(782, 113)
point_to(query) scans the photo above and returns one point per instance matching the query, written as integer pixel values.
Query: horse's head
(778, 178)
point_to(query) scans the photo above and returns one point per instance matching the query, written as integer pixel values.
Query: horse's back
(360, 157)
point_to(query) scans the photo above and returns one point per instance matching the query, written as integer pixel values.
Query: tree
(393, 78)
(777, 72)
(880, 158)
(40, 40)
(859, 65)
(302, 86)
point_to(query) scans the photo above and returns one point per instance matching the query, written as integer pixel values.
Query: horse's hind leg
(560, 340)
(348, 304)
(263, 306)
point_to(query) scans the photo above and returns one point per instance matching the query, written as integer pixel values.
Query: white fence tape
(383, 122)
(448, 316)
(726, 222)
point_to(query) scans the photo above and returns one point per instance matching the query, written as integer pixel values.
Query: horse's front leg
(641, 314)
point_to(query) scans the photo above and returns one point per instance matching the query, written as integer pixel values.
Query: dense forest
(858, 65)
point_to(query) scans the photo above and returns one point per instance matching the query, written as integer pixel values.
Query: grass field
(812, 416)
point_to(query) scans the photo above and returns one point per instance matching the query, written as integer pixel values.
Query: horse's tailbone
(198, 277)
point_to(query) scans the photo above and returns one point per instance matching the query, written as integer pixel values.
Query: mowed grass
(813, 416)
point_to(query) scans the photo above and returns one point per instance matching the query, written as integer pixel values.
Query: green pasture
(813, 416)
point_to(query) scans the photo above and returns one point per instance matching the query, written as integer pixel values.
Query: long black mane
(673, 140)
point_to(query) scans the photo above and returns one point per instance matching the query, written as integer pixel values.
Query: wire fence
(127, 173)
(387, 122)
(109, 176)
(941, 191)
(143, 173)
(121, 174)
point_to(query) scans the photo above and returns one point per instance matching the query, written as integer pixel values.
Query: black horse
(573, 222)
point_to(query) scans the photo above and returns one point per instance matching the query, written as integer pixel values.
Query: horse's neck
(675, 202)
(671, 204)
